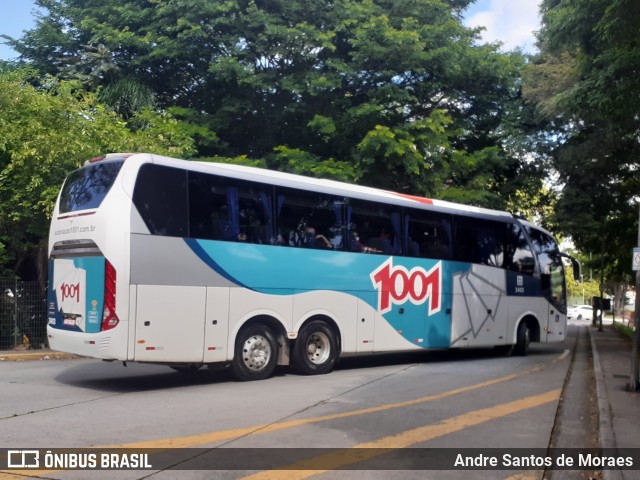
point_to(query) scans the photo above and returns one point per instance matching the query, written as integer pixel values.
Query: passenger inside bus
(316, 240)
(357, 246)
(381, 243)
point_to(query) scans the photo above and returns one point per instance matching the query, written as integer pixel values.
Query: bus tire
(316, 350)
(504, 350)
(256, 353)
(522, 341)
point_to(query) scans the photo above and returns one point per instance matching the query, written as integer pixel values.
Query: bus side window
(479, 241)
(465, 246)
(299, 212)
(255, 217)
(428, 234)
(208, 208)
(160, 196)
(229, 209)
(379, 226)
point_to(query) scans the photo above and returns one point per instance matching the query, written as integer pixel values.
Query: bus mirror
(577, 274)
(575, 264)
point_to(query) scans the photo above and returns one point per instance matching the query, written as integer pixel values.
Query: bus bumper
(108, 345)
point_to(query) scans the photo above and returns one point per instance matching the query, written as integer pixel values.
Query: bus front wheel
(255, 354)
(523, 339)
(316, 349)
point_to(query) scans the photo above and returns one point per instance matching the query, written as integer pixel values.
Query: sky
(511, 22)
(16, 17)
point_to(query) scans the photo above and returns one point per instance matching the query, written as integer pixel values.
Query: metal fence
(23, 314)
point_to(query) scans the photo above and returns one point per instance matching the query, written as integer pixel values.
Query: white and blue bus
(159, 260)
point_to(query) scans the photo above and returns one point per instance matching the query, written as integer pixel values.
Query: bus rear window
(86, 187)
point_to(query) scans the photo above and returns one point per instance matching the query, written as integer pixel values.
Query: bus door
(552, 283)
(553, 290)
(480, 307)
(169, 323)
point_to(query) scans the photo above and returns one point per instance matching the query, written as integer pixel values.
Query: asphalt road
(454, 400)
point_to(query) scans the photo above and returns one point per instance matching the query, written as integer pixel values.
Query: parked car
(580, 312)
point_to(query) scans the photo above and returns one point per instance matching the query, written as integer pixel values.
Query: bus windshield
(551, 267)
(86, 187)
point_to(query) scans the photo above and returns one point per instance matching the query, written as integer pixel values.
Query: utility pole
(602, 285)
(635, 370)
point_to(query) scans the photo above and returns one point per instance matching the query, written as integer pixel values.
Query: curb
(606, 435)
(39, 355)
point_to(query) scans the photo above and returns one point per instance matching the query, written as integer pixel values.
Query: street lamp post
(633, 384)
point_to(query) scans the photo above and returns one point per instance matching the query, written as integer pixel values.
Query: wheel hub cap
(318, 348)
(256, 353)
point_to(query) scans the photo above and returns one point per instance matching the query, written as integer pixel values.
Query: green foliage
(584, 85)
(582, 291)
(47, 131)
(391, 93)
(545, 80)
(602, 37)
(127, 97)
(303, 163)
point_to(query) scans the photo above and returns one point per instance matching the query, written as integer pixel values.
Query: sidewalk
(619, 409)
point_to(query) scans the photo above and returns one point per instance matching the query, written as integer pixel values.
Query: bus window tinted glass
(377, 227)
(551, 267)
(428, 234)
(479, 241)
(160, 195)
(309, 219)
(542, 243)
(229, 209)
(86, 187)
(255, 213)
(519, 257)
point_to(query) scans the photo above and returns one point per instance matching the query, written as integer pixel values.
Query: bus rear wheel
(523, 339)
(316, 350)
(255, 354)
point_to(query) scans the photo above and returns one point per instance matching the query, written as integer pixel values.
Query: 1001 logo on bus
(397, 285)
(70, 291)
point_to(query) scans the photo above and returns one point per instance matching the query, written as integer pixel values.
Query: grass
(625, 330)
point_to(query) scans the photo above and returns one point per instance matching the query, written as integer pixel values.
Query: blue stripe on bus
(201, 252)
(283, 271)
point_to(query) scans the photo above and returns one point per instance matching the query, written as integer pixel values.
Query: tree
(47, 131)
(390, 93)
(584, 83)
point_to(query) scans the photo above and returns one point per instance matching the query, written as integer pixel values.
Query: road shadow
(135, 377)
